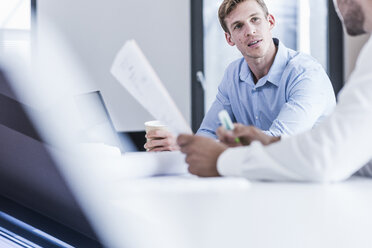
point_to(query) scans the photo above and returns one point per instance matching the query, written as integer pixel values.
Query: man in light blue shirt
(276, 89)
(294, 96)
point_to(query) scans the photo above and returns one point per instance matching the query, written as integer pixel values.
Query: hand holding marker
(226, 122)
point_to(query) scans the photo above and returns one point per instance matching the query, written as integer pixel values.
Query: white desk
(184, 212)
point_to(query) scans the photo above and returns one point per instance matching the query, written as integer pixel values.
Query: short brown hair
(228, 6)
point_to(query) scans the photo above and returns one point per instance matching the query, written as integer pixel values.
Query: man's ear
(229, 40)
(271, 20)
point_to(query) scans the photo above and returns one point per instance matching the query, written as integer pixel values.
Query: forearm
(331, 152)
(211, 122)
(308, 102)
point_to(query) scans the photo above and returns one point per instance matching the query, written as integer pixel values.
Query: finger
(232, 142)
(152, 149)
(156, 134)
(228, 138)
(190, 160)
(175, 148)
(225, 139)
(240, 131)
(245, 135)
(184, 139)
(223, 134)
(238, 125)
(161, 149)
(160, 143)
(185, 149)
(149, 145)
(250, 134)
(166, 148)
(220, 131)
(194, 168)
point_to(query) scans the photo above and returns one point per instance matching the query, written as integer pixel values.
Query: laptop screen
(98, 125)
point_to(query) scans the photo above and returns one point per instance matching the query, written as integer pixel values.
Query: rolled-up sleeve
(309, 97)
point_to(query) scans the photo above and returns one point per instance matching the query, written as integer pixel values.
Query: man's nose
(250, 29)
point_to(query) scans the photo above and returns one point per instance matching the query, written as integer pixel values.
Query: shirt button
(256, 117)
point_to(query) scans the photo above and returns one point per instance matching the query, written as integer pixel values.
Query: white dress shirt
(332, 151)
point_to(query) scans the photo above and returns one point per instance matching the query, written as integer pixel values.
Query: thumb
(184, 139)
(244, 133)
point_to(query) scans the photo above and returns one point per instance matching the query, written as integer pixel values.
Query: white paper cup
(154, 125)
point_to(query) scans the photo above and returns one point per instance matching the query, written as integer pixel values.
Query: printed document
(134, 72)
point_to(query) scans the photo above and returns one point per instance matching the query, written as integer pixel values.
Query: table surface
(232, 212)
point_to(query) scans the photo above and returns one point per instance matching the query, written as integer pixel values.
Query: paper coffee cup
(155, 125)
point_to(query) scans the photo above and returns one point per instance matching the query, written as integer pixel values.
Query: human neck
(368, 24)
(260, 67)
(367, 7)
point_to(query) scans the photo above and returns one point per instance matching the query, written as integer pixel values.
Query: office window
(15, 28)
(300, 24)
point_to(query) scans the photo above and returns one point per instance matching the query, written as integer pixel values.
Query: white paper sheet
(135, 73)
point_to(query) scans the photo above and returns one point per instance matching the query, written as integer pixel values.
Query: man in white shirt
(333, 151)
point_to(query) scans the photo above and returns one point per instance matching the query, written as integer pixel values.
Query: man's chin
(259, 53)
(355, 32)
(256, 56)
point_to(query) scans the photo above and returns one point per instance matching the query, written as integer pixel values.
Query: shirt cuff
(206, 134)
(268, 132)
(233, 161)
(254, 163)
(284, 136)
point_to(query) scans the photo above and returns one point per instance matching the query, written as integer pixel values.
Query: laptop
(97, 123)
(99, 128)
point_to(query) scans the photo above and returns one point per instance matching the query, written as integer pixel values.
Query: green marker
(226, 122)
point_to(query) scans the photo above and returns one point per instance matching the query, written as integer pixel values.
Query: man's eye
(237, 26)
(255, 19)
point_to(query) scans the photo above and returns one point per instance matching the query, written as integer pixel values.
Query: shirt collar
(276, 70)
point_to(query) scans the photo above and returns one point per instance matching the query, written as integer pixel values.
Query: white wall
(97, 29)
(353, 45)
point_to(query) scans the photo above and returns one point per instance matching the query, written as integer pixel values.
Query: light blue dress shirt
(293, 97)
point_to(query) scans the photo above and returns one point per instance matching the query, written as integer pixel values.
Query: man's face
(249, 29)
(352, 16)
